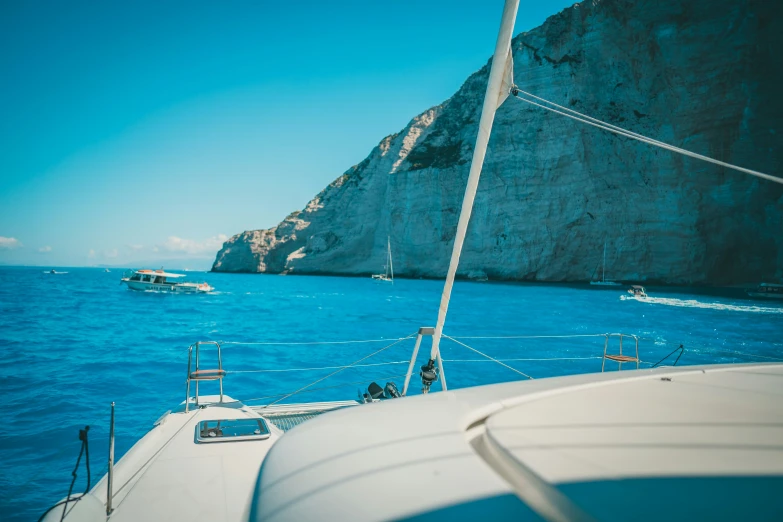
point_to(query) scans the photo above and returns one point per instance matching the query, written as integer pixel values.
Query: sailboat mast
(388, 249)
(495, 95)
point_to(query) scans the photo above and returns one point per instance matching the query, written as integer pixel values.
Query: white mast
(388, 248)
(501, 79)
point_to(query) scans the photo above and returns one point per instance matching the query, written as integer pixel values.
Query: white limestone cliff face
(704, 75)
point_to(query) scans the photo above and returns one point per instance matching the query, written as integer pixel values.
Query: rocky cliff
(701, 74)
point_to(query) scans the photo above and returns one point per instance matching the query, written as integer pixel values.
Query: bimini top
(675, 444)
(159, 273)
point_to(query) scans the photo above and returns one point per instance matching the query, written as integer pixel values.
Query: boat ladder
(620, 357)
(198, 374)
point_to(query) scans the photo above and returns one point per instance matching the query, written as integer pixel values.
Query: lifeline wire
(283, 343)
(528, 359)
(488, 357)
(633, 135)
(748, 354)
(321, 368)
(530, 336)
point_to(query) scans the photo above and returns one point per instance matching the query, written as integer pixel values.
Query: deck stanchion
(187, 385)
(424, 330)
(220, 367)
(110, 474)
(410, 366)
(442, 373)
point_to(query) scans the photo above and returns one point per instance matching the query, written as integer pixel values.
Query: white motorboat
(767, 291)
(603, 281)
(701, 442)
(637, 291)
(388, 274)
(158, 281)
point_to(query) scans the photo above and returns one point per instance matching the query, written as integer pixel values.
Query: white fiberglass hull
(174, 288)
(766, 295)
(498, 449)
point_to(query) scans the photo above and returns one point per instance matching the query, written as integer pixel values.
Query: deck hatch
(231, 430)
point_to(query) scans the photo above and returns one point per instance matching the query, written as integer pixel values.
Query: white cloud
(190, 246)
(9, 243)
(45, 249)
(136, 247)
(91, 253)
(110, 253)
(154, 249)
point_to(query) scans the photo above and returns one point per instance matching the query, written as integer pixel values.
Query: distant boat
(53, 271)
(603, 281)
(637, 291)
(767, 291)
(389, 273)
(107, 270)
(158, 281)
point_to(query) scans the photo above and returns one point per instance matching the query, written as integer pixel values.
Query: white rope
(341, 369)
(488, 357)
(321, 368)
(629, 134)
(285, 343)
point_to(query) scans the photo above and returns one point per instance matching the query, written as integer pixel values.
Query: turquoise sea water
(73, 343)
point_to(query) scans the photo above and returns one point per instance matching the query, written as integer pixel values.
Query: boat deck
(172, 475)
(691, 443)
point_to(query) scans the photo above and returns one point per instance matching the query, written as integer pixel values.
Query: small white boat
(389, 267)
(768, 291)
(107, 270)
(158, 281)
(637, 291)
(603, 281)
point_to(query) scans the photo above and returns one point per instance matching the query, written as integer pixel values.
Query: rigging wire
(157, 452)
(488, 357)
(342, 369)
(321, 388)
(583, 118)
(84, 450)
(680, 348)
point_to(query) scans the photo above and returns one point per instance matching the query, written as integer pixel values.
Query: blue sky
(149, 131)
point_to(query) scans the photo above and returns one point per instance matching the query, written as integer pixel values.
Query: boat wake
(693, 303)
